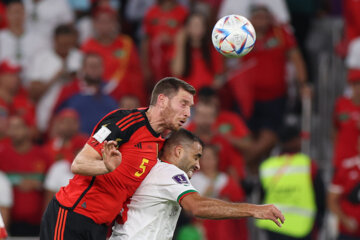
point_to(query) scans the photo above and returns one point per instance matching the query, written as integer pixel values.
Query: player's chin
(190, 174)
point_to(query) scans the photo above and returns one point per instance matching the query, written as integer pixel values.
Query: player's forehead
(184, 96)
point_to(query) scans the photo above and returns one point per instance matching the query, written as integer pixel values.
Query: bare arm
(209, 208)
(333, 200)
(5, 213)
(178, 63)
(89, 162)
(299, 64)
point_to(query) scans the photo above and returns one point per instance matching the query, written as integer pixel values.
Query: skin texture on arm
(178, 63)
(5, 213)
(333, 200)
(88, 161)
(209, 208)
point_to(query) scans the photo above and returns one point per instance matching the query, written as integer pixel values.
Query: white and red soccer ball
(233, 36)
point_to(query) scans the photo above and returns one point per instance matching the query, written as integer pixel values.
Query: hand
(111, 156)
(349, 223)
(269, 212)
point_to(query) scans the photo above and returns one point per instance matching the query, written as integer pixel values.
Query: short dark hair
(64, 29)
(170, 86)
(180, 137)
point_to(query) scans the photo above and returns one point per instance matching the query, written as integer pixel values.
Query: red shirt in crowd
(231, 229)
(202, 75)
(347, 124)
(122, 66)
(21, 106)
(352, 19)
(57, 150)
(160, 26)
(101, 198)
(265, 70)
(346, 178)
(28, 205)
(229, 122)
(3, 21)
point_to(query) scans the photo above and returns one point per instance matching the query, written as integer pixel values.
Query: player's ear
(179, 151)
(162, 100)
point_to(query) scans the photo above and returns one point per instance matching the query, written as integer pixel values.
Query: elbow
(74, 168)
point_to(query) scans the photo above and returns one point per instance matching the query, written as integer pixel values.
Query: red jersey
(122, 66)
(21, 106)
(347, 124)
(161, 26)
(352, 19)
(58, 150)
(3, 21)
(28, 205)
(269, 57)
(229, 122)
(346, 178)
(201, 74)
(101, 198)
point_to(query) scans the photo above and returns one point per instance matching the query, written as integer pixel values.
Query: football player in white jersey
(154, 209)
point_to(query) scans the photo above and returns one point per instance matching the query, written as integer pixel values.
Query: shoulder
(170, 172)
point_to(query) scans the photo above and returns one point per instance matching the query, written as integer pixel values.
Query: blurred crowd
(64, 64)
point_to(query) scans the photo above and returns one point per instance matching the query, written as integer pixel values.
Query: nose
(187, 112)
(197, 166)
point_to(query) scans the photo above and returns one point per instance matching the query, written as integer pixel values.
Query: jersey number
(143, 167)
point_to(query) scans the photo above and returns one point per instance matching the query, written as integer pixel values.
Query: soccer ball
(233, 36)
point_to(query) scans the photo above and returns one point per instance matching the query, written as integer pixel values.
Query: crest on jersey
(180, 178)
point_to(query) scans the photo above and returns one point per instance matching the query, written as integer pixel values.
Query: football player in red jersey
(83, 208)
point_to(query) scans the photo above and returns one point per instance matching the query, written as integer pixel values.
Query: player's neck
(157, 123)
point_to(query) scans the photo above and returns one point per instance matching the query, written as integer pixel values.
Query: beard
(92, 80)
(168, 115)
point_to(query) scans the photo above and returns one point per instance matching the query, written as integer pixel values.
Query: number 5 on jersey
(143, 167)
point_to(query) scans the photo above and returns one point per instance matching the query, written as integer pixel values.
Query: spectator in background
(351, 25)
(6, 198)
(86, 94)
(13, 98)
(161, 23)
(50, 70)
(277, 8)
(344, 197)
(26, 165)
(210, 182)
(3, 21)
(129, 102)
(347, 121)
(17, 44)
(194, 59)
(65, 140)
(43, 16)
(231, 161)
(121, 61)
(292, 182)
(64, 144)
(228, 124)
(260, 86)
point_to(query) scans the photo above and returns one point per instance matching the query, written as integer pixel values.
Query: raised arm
(210, 208)
(89, 162)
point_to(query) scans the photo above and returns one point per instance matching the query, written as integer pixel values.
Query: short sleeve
(177, 186)
(6, 196)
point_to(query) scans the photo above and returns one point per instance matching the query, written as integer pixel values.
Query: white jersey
(154, 208)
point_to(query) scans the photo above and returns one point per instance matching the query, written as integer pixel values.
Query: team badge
(180, 178)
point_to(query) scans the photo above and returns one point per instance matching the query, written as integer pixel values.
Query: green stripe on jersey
(184, 193)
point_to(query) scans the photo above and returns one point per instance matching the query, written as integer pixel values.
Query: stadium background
(58, 104)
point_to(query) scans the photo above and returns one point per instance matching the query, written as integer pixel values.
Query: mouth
(182, 122)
